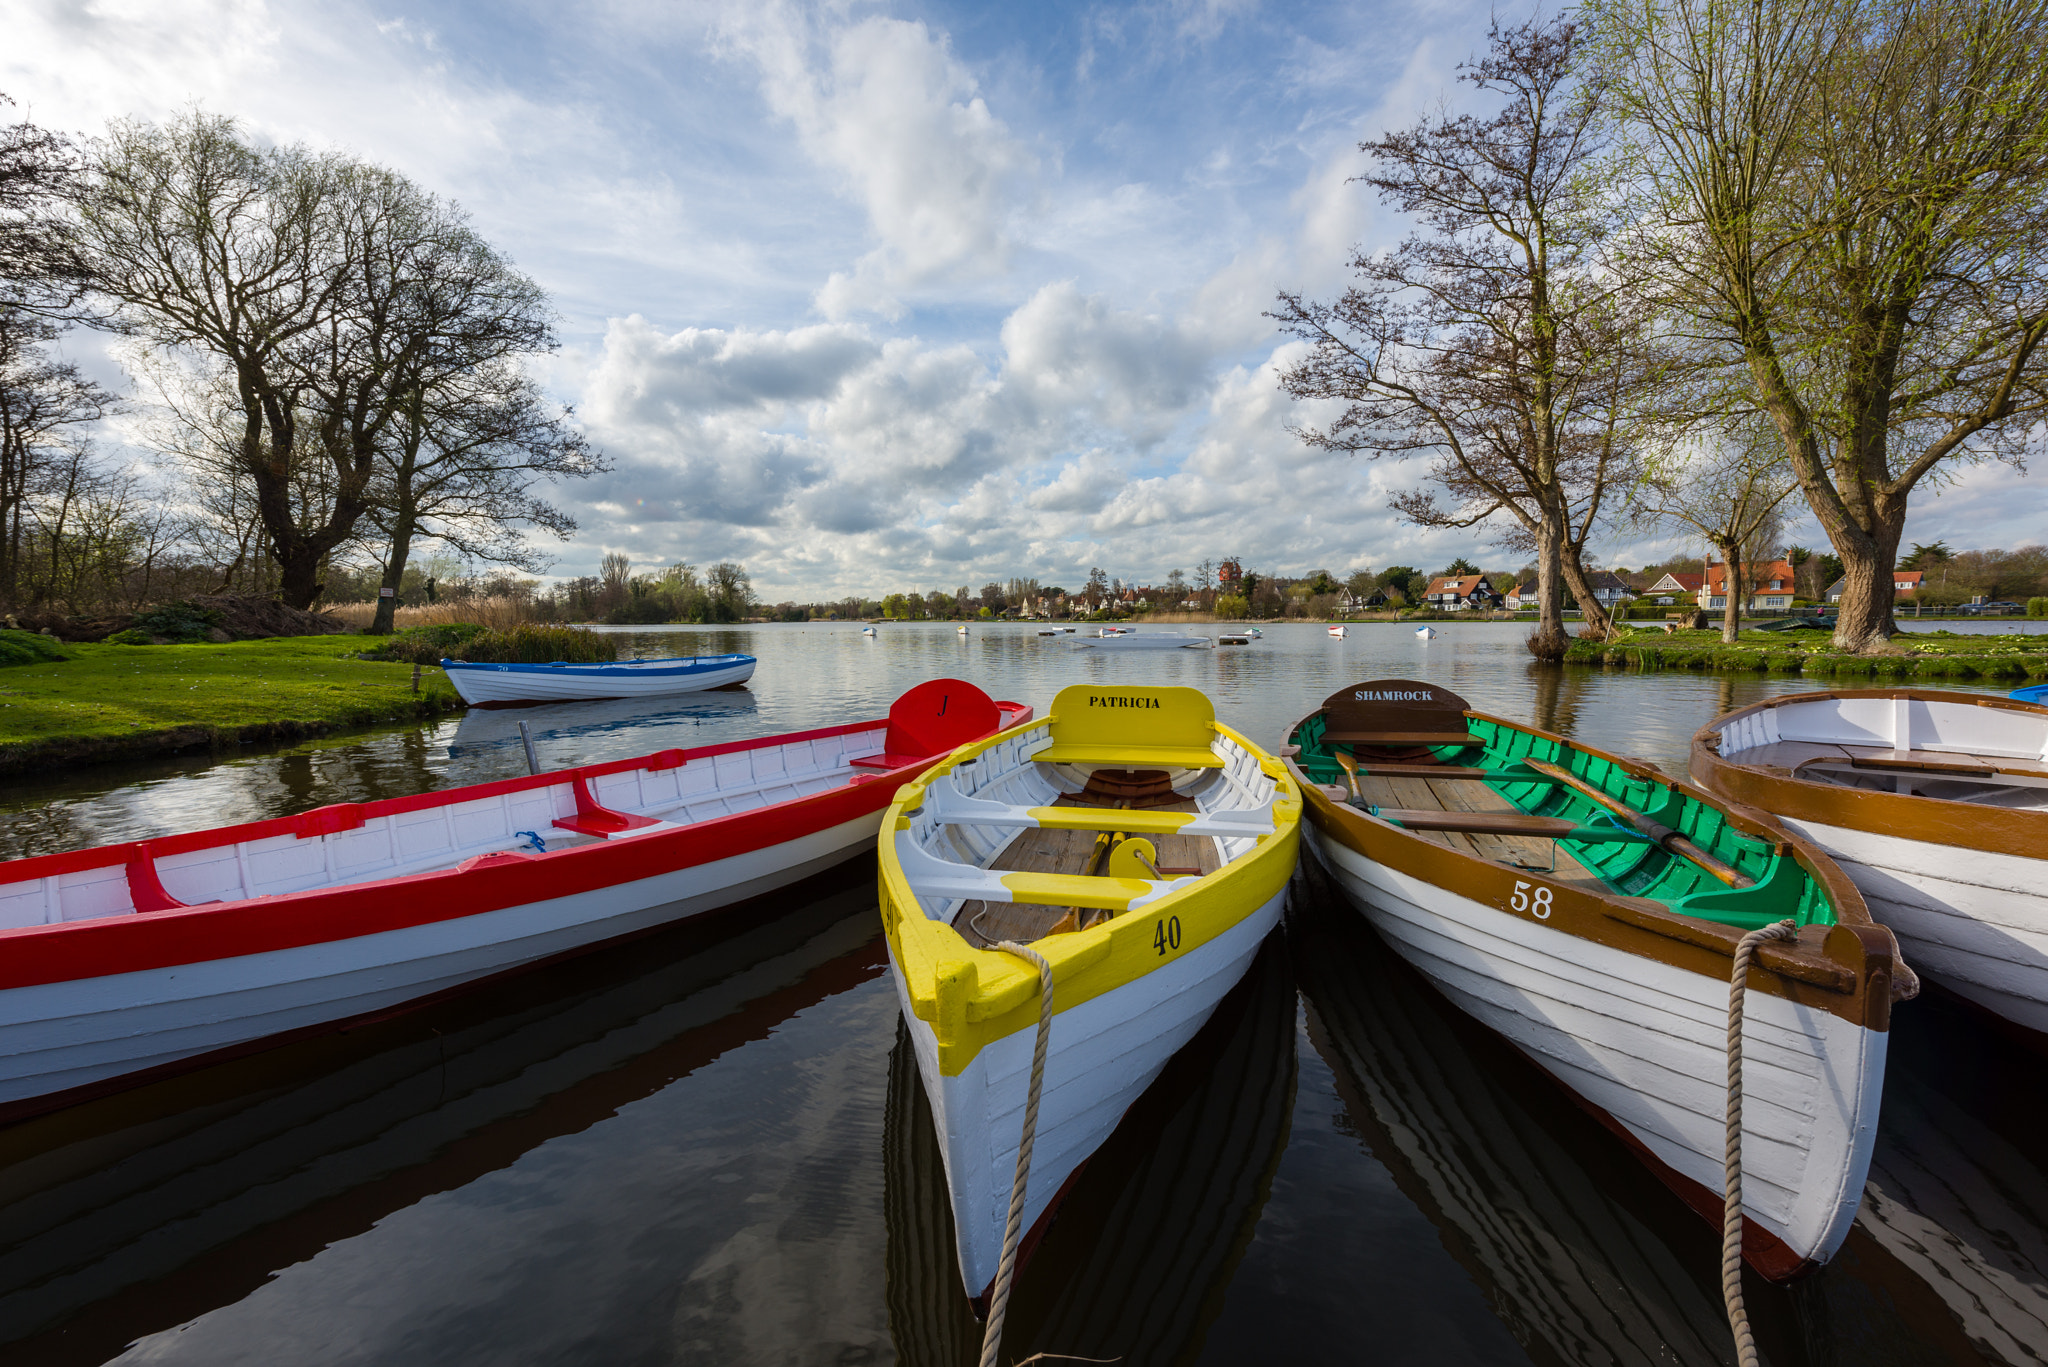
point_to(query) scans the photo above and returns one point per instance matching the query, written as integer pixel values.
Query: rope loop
(1731, 1158)
(1013, 1229)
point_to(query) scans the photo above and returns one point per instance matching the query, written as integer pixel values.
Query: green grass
(123, 702)
(1932, 656)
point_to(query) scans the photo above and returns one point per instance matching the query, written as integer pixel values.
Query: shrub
(528, 645)
(131, 637)
(27, 648)
(178, 621)
(428, 645)
(2037, 607)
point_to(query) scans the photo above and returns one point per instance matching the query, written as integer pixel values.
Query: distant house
(1903, 581)
(1609, 588)
(1674, 586)
(1461, 593)
(1361, 602)
(1521, 596)
(1773, 586)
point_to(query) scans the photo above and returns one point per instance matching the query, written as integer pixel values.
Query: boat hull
(517, 685)
(1964, 886)
(59, 1039)
(1642, 1044)
(1102, 1054)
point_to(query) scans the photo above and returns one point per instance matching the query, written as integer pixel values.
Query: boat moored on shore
(496, 685)
(1588, 909)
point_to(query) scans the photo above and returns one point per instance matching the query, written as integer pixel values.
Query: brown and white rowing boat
(1587, 908)
(1935, 803)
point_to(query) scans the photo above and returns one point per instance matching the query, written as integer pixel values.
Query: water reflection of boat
(1958, 1190)
(1134, 1267)
(583, 723)
(139, 1212)
(1522, 1186)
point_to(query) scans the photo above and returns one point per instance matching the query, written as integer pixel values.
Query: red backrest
(936, 716)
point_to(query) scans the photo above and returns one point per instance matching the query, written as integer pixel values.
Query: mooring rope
(1731, 1156)
(999, 1297)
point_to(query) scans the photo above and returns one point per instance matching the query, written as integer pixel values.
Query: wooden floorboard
(982, 924)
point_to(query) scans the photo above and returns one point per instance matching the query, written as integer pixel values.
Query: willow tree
(1495, 339)
(1850, 197)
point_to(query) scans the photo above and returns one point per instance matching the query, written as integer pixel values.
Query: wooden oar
(1350, 768)
(1662, 834)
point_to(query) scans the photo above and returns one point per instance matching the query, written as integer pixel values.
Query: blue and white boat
(487, 685)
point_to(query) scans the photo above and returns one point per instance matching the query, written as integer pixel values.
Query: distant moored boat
(492, 685)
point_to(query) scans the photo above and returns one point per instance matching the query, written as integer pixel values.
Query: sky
(878, 297)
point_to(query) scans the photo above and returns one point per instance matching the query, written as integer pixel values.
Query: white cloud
(884, 105)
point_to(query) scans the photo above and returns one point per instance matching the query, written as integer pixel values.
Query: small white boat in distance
(868, 631)
(961, 629)
(1253, 631)
(1134, 640)
(1426, 633)
(1238, 639)
(1338, 631)
(488, 685)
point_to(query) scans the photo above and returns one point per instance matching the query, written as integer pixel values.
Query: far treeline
(1705, 255)
(339, 363)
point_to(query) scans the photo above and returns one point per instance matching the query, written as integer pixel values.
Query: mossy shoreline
(1932, 657)
(109, 703)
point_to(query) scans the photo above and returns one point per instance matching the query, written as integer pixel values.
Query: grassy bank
(1931, 657)
(127, 702)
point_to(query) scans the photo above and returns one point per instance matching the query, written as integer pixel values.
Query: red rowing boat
(126, 961)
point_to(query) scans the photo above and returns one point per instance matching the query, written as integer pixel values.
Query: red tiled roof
(1759, 575)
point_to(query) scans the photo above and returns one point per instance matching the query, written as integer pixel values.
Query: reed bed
(502, 613)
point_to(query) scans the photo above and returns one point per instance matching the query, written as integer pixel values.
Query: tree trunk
(394, 576)
(1732, 581)
(1866, 623)
(1549, 641)
(1598, 623)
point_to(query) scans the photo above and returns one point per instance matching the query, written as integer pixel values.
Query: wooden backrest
(1393, 712)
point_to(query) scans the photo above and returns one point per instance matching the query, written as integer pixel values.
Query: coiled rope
(1731, 1156)
(999, 1296)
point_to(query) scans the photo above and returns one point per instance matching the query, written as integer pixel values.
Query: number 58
(1537, 903)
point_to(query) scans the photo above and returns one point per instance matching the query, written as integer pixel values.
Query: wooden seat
(1069, 852)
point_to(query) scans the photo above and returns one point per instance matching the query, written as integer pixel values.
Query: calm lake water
(710, 1146)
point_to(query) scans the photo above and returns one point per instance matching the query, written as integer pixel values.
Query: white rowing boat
(129, 959)
(1935, 803)
(494, 685)
(1144, 850)
(1494, 858)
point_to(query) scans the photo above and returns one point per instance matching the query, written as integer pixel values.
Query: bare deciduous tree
(1493, 339)
(1850, 198)
(1728, 486)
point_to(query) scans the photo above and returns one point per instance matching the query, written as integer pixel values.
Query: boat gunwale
(103, 946)
(679, 664)
(1857, 948)
(1914, 817)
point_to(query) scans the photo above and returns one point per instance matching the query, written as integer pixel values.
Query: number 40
(1538, 904)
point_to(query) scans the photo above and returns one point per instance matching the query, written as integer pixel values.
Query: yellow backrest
(1132, 727)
